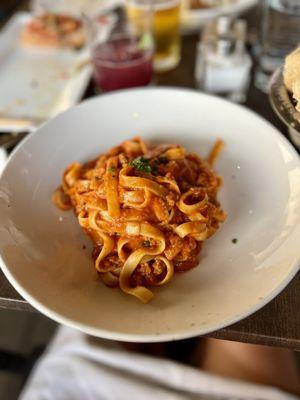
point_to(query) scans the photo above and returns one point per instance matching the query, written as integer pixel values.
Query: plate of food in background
(284, 94)
(148, 223)
(195, 13)
(43, 68)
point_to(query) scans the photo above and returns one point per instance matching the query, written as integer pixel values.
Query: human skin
(253, 363)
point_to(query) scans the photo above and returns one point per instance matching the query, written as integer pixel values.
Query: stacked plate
(2, 159)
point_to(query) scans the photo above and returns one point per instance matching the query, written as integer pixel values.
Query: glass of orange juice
(166, 18)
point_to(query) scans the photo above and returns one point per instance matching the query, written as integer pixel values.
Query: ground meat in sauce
(191, 262)
(109, 261)
(148, 274)
(178, 217)
(183, 266)
(174, 246)
(171, 198)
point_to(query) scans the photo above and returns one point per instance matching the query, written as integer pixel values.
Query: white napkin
(75, 369)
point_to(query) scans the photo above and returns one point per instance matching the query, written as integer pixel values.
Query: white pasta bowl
(47, 257)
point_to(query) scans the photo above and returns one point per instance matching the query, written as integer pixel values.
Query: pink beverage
(120, 64)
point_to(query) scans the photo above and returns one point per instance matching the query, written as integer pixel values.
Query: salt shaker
(222, 63)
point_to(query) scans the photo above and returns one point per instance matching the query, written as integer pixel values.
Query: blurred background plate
(192, 20)
(37, 83)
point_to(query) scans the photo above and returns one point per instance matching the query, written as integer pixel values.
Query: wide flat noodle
(111, 187)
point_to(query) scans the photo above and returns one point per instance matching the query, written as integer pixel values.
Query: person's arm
(258, 364)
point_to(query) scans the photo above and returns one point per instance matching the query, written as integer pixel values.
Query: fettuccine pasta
(148, 210)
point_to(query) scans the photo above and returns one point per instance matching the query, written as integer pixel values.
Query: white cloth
(75, 369)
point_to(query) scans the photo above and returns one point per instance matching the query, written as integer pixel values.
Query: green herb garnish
(141, 164)
(234, 240)
(147, 243)
(112, 169)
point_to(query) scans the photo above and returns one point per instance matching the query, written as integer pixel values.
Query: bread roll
(291, 75)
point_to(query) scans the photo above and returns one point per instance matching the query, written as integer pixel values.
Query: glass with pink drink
(122, 53)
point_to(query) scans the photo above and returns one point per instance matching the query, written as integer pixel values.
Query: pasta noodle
(147, 209)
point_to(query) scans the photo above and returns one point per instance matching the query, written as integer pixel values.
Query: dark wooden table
(278, 323)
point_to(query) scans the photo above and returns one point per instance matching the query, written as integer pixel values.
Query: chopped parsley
(147, 243)
(141, 164)
(112, 169)
(234, 240)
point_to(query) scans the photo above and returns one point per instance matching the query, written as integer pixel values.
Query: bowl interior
(47, 257)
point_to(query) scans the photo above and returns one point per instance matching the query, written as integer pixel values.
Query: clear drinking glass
(166, 20)
(280, 34)
(122, 52)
